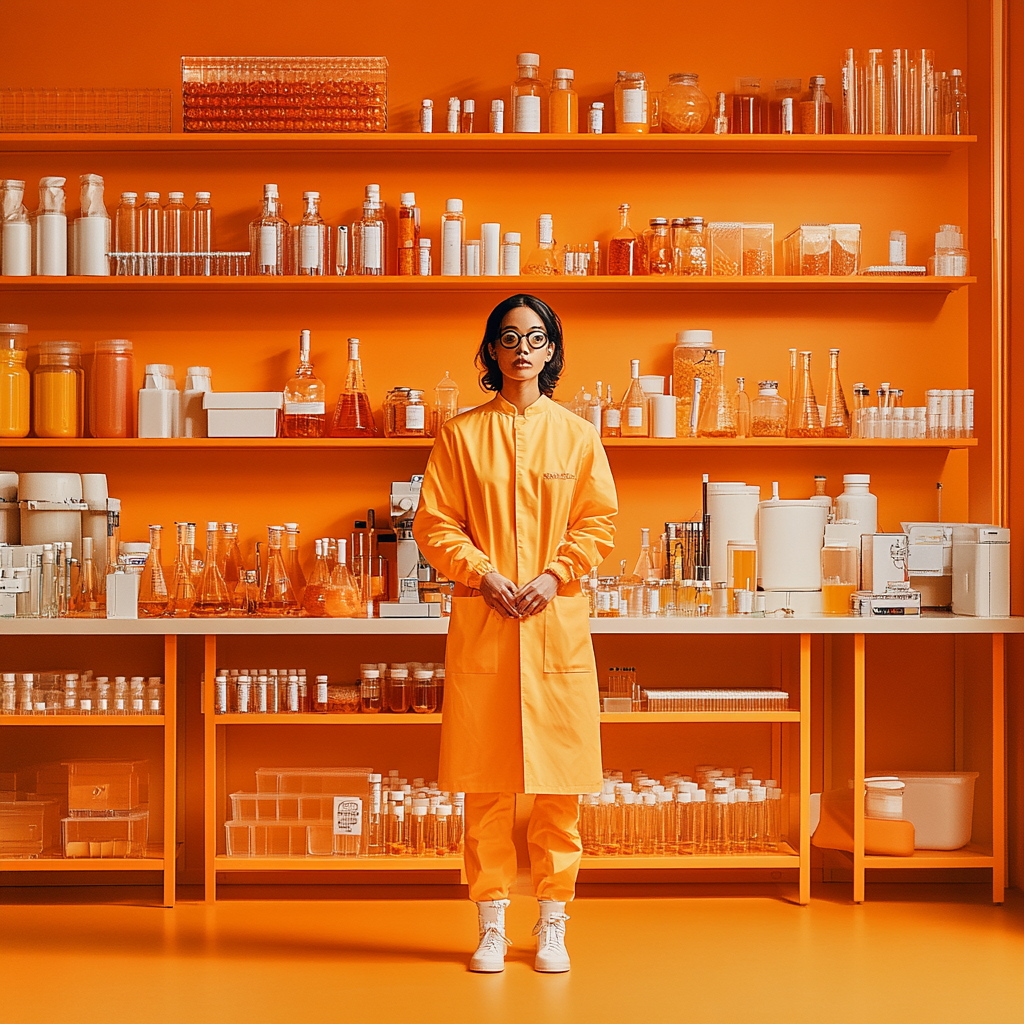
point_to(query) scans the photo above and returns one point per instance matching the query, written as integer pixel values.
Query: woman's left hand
(533, 597)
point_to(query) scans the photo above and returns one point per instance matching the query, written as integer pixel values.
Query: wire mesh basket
(85, 110)
(285, 94)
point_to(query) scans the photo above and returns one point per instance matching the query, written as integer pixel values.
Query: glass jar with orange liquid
(14, 381)
(58, 390)
(112, 389)
(840, 571)
(632, 106)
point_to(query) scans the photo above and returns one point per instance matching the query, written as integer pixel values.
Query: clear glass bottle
(212, 598)
(563, 104)
(182, 592)
(126, 231)
(721, 115)
(229, 559)
(689, 249)
(150, 234)
(527, 95)
(624, 247)
(816, 109)
(424, 698)
(292, 562)
(200, 234)
(741, 407)
(806, 420)
(399, 691)
(371, 700)
(15, 231)
(411, 415)
(717, 416)
(543, 261)
(153, 584)
(595, 119)
(837, 414)
(685, 109)
(368, 242)
(768, 412)
(314, 595)
(840, 576)
(446, 404)
(344, 598)
(632, 114)
(174, 233)
(467, 117)
(408, 234)
(611, 418)
(277, 597)
(644, 568)
(634, 421)
(311, 256)
(58, 390)
(353, 416)
(268, 235)
(660, 258)
(953, 105)
(305, 395)
(15, 382)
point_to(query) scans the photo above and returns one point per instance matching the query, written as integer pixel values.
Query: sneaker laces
(491, 939)
(551, 930)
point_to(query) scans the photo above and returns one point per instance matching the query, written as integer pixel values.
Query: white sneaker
(489, 957)
(552, 957)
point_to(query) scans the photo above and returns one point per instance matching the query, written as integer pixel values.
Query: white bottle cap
(512, 238)
(497, 106)
(469, 106)
(408, 198)
(129, 195)
(527, 58)
(310, 195)
(453, 206)
(428, 103)
(698, 339)
(175, 195)
(424, 243)
(202, 195)
(353, 348)
(565, 73)
(597, 106)
(270, 190)
(151, 195)
(634, 368)
(453, 103)
(209, 526)
(199, 371)
(856, 478)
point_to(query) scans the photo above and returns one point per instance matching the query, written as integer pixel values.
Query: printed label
(595, 119)
(348, 816)
(510, 260)
(268, 246)
(304, 408)
(451, 248)
(321, 693)
(424, 262)
(527, 117)
(635, 416)
(310, 250)
(415, 417)
(634, 106)
(372, 247)
(613, 418)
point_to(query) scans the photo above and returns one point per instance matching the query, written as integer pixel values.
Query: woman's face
(517, 357)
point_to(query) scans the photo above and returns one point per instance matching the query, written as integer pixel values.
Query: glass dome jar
(768, 412)
(684, 107)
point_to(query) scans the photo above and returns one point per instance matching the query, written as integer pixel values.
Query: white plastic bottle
(510, 250)
(857, 503)
(16, 232)
(92, 231)
(159, 403)
(453, 229)
(51, 229)
(193, 417)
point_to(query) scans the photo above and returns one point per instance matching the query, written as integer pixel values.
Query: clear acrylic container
(845, 249)
(28, 828)
(807, 251)
(104, 786)
(758, 250)
(115, 836)
(725, 248)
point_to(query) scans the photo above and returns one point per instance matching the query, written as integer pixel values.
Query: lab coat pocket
(567, 644)
(473, 633)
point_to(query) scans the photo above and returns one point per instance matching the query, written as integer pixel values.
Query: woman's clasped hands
(512, 602)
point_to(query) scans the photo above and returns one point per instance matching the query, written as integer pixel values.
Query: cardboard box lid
(243, 400)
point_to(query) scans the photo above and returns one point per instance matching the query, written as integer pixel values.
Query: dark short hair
(490, 375)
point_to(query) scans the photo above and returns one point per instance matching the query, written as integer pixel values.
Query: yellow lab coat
(520, 494)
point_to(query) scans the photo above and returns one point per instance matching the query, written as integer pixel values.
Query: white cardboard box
(242, 413)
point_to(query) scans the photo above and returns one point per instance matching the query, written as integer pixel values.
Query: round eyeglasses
(511, 338)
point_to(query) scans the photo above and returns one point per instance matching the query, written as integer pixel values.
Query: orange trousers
(552, 836)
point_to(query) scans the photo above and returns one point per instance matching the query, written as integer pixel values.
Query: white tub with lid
(941, 806)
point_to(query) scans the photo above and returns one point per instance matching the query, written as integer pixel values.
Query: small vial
(595, 119)
(498, 117)
(472, 258)
(720, 121)
(786, 116)
(427, 117)
(466, 121)
(423, 265)
(341, 251)
(510, 249)
(453, 115)
(897, 248)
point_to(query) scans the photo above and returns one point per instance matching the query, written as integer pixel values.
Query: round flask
(684, 107)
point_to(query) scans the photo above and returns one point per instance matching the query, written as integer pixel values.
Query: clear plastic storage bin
(123, 835)
(28, 828)
(941, 806)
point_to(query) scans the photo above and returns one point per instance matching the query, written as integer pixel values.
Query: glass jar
(632, 113)
(691, 358)
(816, 109)
(411, 416)
(748, 113)
(370, 695)
(424, 699)
(769, 415)
(689, 248)
(658, 248)
(112, 390)
(58, 390)
(399, 691)
(395, 398)
(14, 381)
(684, 107)
(342, 698)
(608, 597)
(840, 574)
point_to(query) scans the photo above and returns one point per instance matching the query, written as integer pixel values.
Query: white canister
(51, 509)
(790, 535)
(663, 415)
(732, 507)
(857, 503)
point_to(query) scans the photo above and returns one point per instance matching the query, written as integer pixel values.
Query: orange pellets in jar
(14, 381)
(58, 390)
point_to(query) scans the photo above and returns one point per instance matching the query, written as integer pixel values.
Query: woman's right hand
(500, 594)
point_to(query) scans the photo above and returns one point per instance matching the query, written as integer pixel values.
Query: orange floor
(914, 953)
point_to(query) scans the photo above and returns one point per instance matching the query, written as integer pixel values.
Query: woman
(516, 506)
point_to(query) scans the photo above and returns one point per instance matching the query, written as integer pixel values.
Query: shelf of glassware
(216, 444)
(932, 622)
(224, 863)
(784, 857)
(78, 720)
(856, 284)
(483, 142)
(607, 718)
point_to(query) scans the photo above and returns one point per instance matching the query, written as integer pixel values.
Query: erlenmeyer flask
(806, 421)
(315, 594)
(277, 598)
(182, 592)
(837, 413)
(353, 416)
(343, 599)
(212, 595)
(291, 560)
(230, 561)
(718, 416)
(153, 583)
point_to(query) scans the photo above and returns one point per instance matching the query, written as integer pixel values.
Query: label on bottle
(52, 244)
(304, 408)
(594, 415)
(498, 122)
(613, 418)
(451, 248)
(634, 106)
(510, 260)
(17, 249)
(595, 121)
(423, 261)
(635, 416)
(268, 245)
(348, 816)
(372, 246)
(293, 697)
(527, 114)
(310, 249)
(92, 240)
(415, 417)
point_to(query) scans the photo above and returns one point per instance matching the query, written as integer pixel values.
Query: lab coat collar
(501, 405)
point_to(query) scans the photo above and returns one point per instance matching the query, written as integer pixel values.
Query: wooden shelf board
(335, 719)
(198, 445)
(394, 285)
(971, 856)
(63, 720)
(443, 143)
(222, 863)
(786, 857)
